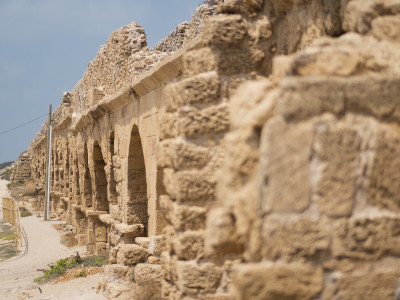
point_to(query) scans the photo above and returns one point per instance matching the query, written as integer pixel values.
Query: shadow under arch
(100, 180)
(87, 180)
(137, 185)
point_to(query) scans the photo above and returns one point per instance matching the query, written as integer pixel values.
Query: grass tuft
(24, 212)
(68, 263)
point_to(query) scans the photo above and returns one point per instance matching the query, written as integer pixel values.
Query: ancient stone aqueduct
(252, 154)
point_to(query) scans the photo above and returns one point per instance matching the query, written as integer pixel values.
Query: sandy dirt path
(43, 247)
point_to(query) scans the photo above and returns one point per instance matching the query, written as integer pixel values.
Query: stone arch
(60, 170)
(100, 180)
(137, 185)
(66, 172)
(87, 181)
(77, 184)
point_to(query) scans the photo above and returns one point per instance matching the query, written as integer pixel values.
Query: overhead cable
(23, 124)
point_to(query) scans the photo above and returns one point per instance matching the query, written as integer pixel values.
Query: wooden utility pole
(48, 168)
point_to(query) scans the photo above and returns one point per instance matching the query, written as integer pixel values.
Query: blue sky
(45, 47)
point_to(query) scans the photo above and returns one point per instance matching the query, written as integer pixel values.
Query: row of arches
(98, 189)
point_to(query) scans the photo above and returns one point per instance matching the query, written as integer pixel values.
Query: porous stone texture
(277, 281)
(258, 161)
(22, 168)
(187, 31)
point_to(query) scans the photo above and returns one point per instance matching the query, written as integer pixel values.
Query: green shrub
(15, 184)
(81, 274)
(69, 263)
(24, 212)
(8, 235)
(7, 251)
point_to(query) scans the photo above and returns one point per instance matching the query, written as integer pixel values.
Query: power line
(23, 124)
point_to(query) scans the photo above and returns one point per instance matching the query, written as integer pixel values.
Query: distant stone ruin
(22, 170)
(253, 154)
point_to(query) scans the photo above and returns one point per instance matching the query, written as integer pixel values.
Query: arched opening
(137, 187)
(66, 174)
(87, 184)
(100, 180)
(77, 185)
(60, 173)
(113, 195)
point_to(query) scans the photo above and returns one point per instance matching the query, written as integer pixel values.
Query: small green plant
(69, 263)
(15, 184)
(95, 261)
(55, 271)
(81, 274)
(8, 235)
(24, 212)
(6, 252)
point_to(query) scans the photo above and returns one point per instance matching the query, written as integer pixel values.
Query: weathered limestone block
(284, 165)
(286, 5)
(183, 217)
(374, 95)
(271, 281)
(154, 260)
(336, 150)
(156, 246)
(130, 229)
(147, 274)
(368, 286)
(136, 213)
(194, 278)
(191, 185)
(148, 281)
(170, 291)
(114, 237)
(81, 239)
(335, 61)
(211, 120)
(239, 60)
(90, 237)
(169, 127)
(221, 237)
(101, 248)
(253, 103)
(119, 271)
(169, 267)
(302, 98)
(100, 232)
(241, 148)
(189, 245)
(195, 90)
(228, 61)
(118, 282)
(359, 14)
(366, 238)
(131, 254)
(386, 28)
(224, 29)
(181, 155)
(142, 242)
(249, 7)
(293, 240)
(383, 187)
(194, 62)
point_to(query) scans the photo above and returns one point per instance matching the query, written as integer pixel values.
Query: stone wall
(22, 169)
(258, 161)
